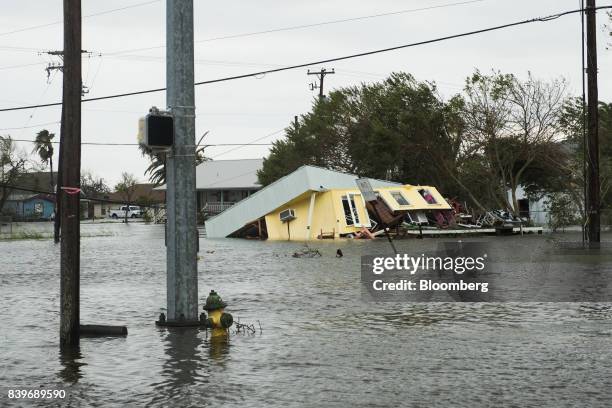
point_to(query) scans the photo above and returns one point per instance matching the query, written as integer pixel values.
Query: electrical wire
(300, 27)
(81, 196)
(325, 61)
(85, 16)
(273, 30)
(251, 143)
(29, 127)
(137, 144)
(21, 66)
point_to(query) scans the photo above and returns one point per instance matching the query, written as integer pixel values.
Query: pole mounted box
(156, 130)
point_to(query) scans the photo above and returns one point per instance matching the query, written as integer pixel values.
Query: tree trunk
(515, 206)
(452, 175)
(5, 193)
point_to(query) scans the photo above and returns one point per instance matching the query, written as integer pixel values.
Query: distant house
(41, 206)
(313, 202)
(222, 183)
(30, 207)
(38, 180)
(33, 203)
(535, 210)
(145, 194)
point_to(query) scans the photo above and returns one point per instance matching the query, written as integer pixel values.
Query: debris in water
(307, 253)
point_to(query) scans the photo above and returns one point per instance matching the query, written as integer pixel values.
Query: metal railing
(216, 208)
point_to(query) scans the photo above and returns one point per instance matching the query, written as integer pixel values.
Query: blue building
(39, 207)
(30, 207)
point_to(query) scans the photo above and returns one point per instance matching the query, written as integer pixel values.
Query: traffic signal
(156, 130)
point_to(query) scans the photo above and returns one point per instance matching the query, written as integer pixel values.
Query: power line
(325, 61)
(251, 143)
(300, 27)
(273, 30)
(137, 144)
(81, 196)
(86, 16)
(21, 65)
(30, 126)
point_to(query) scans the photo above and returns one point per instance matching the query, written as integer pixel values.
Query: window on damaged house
(399, 198)
(426, 194)
(350, 210)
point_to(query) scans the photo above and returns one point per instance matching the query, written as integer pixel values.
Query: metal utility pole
(182, 272)
(592, 179)
(70, 147)
(321, 74)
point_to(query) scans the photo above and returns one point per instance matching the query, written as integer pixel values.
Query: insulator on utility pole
(321, 74)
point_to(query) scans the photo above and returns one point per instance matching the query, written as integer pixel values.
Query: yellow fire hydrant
(218, 320)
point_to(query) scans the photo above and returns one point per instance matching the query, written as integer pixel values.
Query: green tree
(93, 186)
(476, 145)
(572, 122)
(156, 171)
(378, 130)
(13, 165)
(511, 122)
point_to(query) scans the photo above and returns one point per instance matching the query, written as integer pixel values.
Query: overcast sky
(244, 110)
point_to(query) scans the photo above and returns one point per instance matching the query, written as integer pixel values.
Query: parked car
(133, 211)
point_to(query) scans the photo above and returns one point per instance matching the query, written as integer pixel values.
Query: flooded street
(321, 345)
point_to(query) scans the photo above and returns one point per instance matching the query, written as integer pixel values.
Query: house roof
(46, 197)
(142, 191)
(283, 190)
(227, 175)
(16, 195)
(38, 180)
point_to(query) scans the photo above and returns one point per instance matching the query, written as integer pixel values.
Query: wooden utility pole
(592, 148)
(70, 148)
(321, 74)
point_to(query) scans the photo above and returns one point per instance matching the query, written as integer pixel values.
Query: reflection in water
(218, 349)
(70, 360)
(184, 365)
(185, 370)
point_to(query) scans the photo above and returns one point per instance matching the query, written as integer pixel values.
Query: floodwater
(320, 344)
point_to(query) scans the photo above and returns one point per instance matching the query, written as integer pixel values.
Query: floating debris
(248, 329)
(307, 253)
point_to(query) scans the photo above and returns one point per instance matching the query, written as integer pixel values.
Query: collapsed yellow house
(314, 203)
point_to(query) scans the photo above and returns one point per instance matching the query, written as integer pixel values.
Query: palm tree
(43, 146)
(157, 167)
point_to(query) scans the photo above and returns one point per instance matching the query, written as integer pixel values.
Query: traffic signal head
(159, 131)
